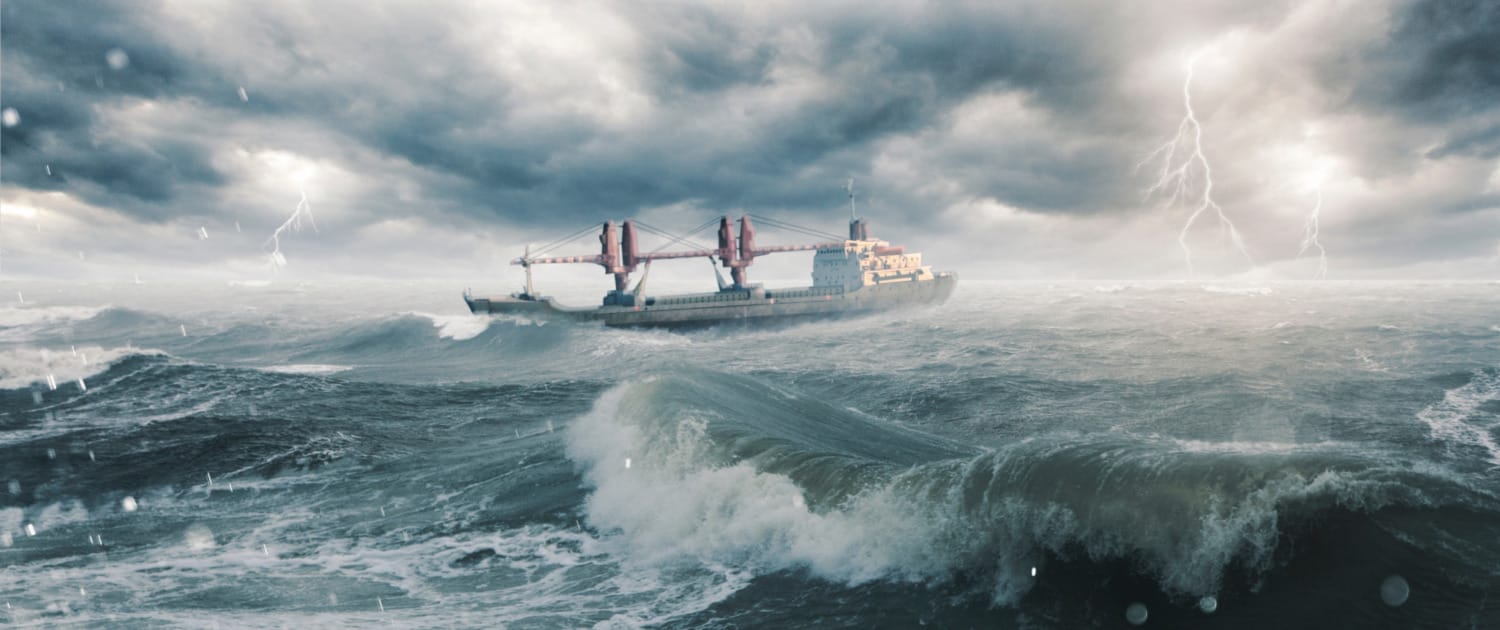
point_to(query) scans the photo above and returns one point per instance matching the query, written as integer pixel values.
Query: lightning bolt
(293, 223)
(1176, 177)
(1310, 237)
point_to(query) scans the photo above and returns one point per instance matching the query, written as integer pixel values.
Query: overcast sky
(1002, 139)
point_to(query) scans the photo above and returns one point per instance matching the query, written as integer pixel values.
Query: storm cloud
(431, 135)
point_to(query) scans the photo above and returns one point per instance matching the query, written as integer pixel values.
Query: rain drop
(128, 504)
(1208, 604)
(1033, 571)
(14, 486)
(51, 453)
(91, 456)
(1394, 591)
(49, 169)
(243, 95)
(183, 328)
(30, 529)
(81, 386)
(5, 539)
(380, 604)
(198, 537)
(51, 382)
(10, 117)
(264, 551)
(117, 59)
(202, 233)
(1136, 614)
(627, 462)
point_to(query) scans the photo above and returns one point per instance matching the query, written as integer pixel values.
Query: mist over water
(1023, 456)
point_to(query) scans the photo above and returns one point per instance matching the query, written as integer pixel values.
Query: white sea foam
(306, 368)
(1459, 418)
(28, 315)
(457, 327)
(1234, 290)
(22, 367)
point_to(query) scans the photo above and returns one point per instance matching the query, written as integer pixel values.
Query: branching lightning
(1310, 237)
(293, 223)
(1177, 178)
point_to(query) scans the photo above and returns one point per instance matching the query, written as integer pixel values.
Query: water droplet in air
(1394, 591)
(10, 117)
(5, 539)
(627, 462)
(51, 453)
(198, 537)
(1208, 604)
(117, 59)
(30, 529)
(128, 504)
(1033, 571)
(14, 486)
(243, 95)
(1136, 614)
(183, 328)
(380, 604)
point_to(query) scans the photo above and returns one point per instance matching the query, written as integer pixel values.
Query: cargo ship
(855, 275)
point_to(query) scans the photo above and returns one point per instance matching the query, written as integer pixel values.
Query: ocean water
(1029, 456)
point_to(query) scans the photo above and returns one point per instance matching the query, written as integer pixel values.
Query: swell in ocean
(276, 466)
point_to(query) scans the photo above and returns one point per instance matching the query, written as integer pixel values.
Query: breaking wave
(713, 468)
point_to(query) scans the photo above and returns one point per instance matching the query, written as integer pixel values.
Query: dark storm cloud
(442, 113)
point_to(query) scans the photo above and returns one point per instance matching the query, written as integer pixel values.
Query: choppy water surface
(1024, 456)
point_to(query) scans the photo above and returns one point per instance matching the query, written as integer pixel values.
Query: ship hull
(733, 306)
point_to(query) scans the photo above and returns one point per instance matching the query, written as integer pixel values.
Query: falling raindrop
(5, 539)
(30, 529)
(1208, 604)
(1394, 590)
(627, 462)
(91, 456)
(333, 599)
(382, 511)
(202, 233)
(36, 396)
(198, 537)
(1136, 614)
(243, 95)
(20, 297)
(51, 453)
(14, 486)
(1033, 571)
(128, 504)
(264, 551)
(81, 386)
(10, 117)
(51, 382)
(117, 59)
(183, 328)
(380, 604)
(74, 349)
(49, 169)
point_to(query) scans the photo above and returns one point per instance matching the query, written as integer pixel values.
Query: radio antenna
(850, 187)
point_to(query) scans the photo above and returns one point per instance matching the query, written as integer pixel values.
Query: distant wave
(457, 327)
(25, 367)
(1234, 290)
